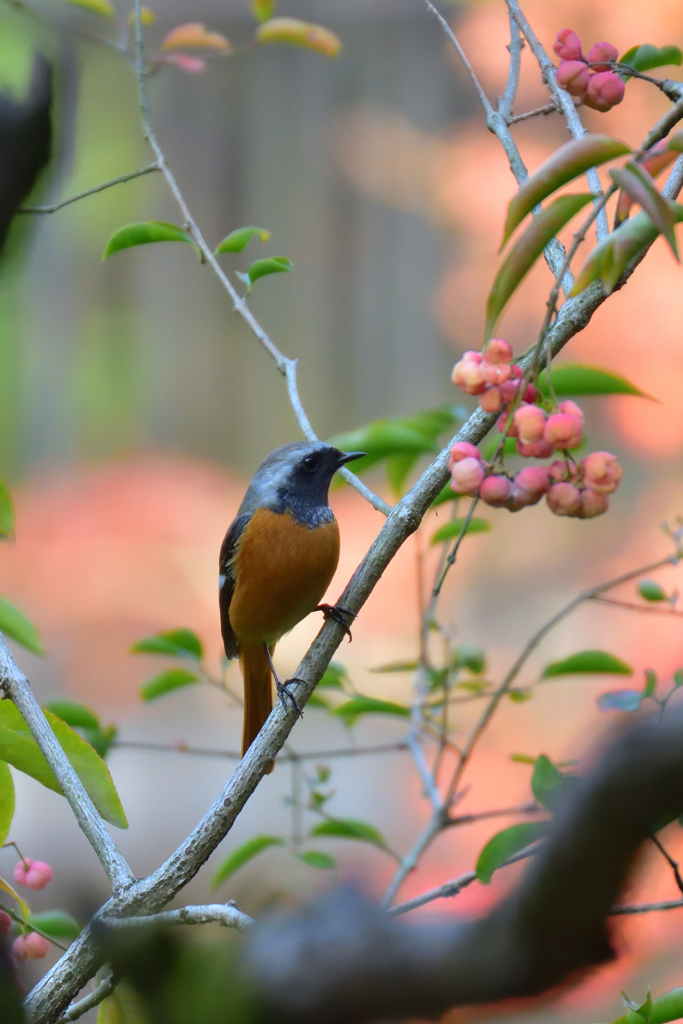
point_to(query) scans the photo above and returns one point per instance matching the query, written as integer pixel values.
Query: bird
(277, 560)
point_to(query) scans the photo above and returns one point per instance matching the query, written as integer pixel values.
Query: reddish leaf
(641, 187)
(299, 33)
(660, 159)
(194, 33)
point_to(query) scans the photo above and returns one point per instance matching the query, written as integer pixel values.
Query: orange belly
(282, 570)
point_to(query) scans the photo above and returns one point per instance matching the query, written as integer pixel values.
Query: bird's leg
(281, 688)
(339, 614)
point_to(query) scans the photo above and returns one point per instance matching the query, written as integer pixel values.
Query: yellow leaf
(102, 7)
(147, 17)
(194, 34)
(299, 33)
(24, 907)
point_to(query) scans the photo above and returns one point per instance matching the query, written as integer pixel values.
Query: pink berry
(466, 476)
(495, 373)
(491, 400)
(530, 421)
(503, 424)
(534, 480)
(463, 450)
(497, 351)
(467, 375)
(572, 408)
(567, 45)
(604, 91)
(558, 470)
(36, 945)
(21, 869)
(19, 951)
(564, 499)
(599, 52)
(495, 490)
(602, 472)
(563, 430)
(592, 503)
(509, 390)
(5, 924)
(535, 450)
(574, 76)
(34, 874)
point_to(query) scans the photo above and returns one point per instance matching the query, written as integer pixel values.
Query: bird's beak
(350, 456)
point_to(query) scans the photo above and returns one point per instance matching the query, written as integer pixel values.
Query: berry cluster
(589, 78)
(571, 488)
(33, 874)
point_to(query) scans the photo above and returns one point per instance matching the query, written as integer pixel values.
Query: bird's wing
(227, 581)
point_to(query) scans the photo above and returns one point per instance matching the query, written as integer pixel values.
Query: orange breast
(282, 570)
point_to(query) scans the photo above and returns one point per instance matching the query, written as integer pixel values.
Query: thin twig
(468, 819)
(91, 191)
(98, 995)
(653, 609)
(670, 861)
(645, 908)
(283, 756)
(225, 914)
(16, 687)
(18, 919)
(549, 108)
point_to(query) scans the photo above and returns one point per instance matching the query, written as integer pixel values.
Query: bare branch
(94, 998)
(16, 687)
(515, 48)
(225, 914)
(549, 108)
(91, 191)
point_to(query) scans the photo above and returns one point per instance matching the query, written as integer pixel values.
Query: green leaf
(579, 379)
(455, 527)
(678, 677)
(15, 625)
(641, 187)
(527, 250)
(78, 716)
(398, 468)
(587, 661)
(668, 1006)
(650, 683)
(352, 710)
(470, 656)
(397, 666)
(314, 701)
(101, 7)
(445, 494)
(18, 747)
(620, 700)
(6, 513)
(523, 759)
(272, 265)
(178, 643)
(651, 591)
(166, 682)
(610, 258)
(238, 240)
(519, 696)
(57, 924)
(570, 160)
(143, 233)
(350, 828)
(334, 677)
(506, 844)
(6, 801)
(246, 852)
(546, 782)
(317, 859)
(23, 905)
(263, 9)
(381, 439)
(647, 56)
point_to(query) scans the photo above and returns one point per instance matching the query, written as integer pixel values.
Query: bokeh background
(134, 406)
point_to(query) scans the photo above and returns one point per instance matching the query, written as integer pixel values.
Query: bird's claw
(284, 694)
(336, 612)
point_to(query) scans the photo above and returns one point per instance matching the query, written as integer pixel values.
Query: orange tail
(258, 697)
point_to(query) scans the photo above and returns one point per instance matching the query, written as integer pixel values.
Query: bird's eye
(309, 463)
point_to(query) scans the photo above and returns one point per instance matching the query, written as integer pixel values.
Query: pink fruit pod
(34, 874)
(534, 480)
(558, 470)
(605, 89)
(567, 45)
(563, 430)
(495, 373)
(496, 490)
(497, 351)
(535, 449)
(531, 394)
(574, 76)
(472, 356)
(593, 503)
(19, 951)
(564, 499)
(468, 377)
(463, 450)
(491, 400)
(36, 945)
(509, 390)
(466, 476)
(5, 924)
(602, 472)
(530, 421)
(602, 51)
(517, 371)
(502, 425)
(571, 408)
